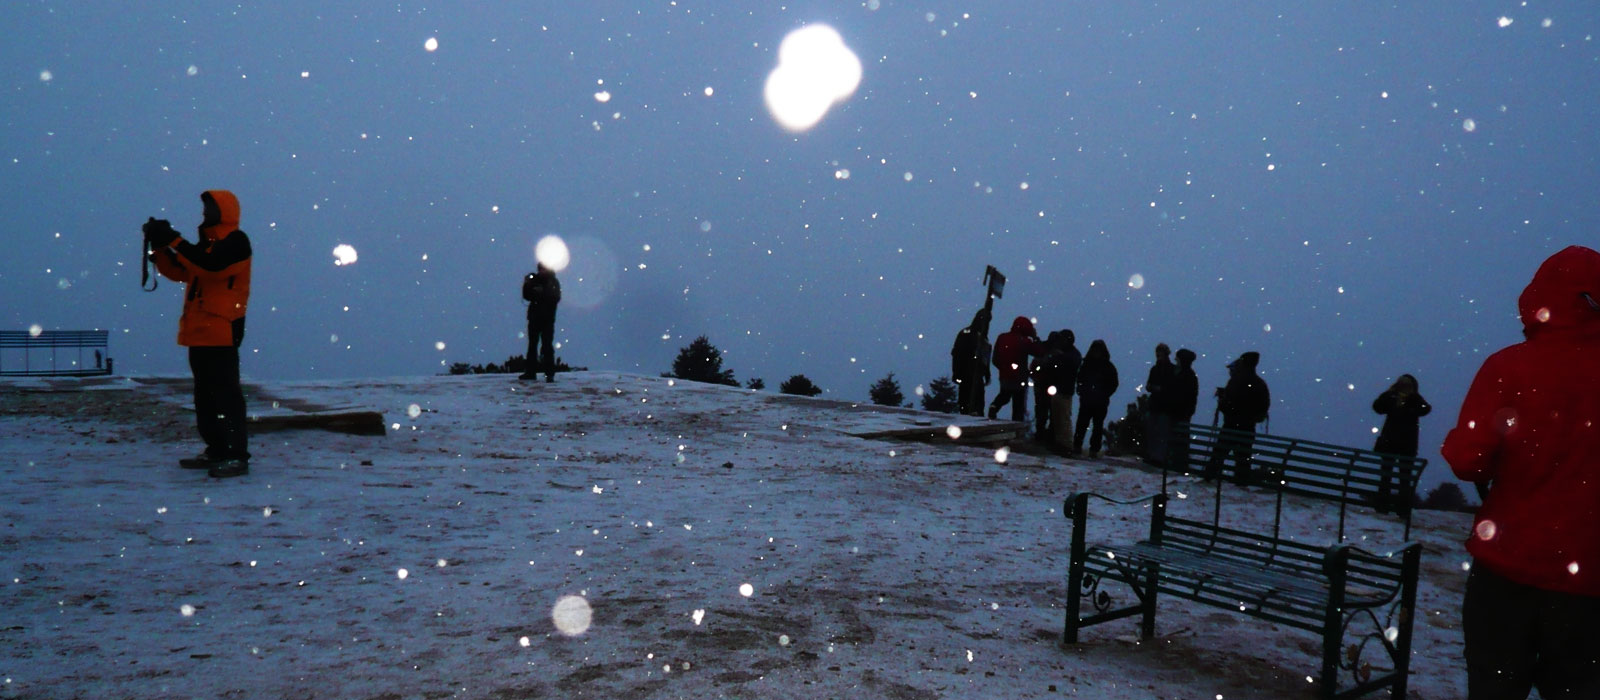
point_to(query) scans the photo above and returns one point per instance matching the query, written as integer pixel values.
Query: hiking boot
(223, 469)
(204, 460)
(527, 375)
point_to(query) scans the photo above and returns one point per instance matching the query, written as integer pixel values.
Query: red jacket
(1530, 426)
(1012, 348)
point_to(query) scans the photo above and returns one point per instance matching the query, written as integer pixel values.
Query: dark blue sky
(1298, 180)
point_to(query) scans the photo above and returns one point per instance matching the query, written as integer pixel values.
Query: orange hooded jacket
(217, 272)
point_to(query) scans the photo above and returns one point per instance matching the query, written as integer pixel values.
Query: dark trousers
(1090, 413)
(970, 397)
(1238, 446)
(1017, 394)
(1041, 411)
(1520, 637)
(1157, 435)
(541, 344)
(219, 401)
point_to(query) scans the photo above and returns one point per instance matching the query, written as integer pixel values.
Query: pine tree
(755, 384)
(886, 392)
(942, 395)
(799, 385)
(701, 361)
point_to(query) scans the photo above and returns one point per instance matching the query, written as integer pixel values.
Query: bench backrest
(1349, 476)
(28, 341)
(53, 339)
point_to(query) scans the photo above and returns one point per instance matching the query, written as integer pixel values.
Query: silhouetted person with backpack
(1158, 409)
(542, 291)
(1047, 384)
(1401, 407)
(969, 364)
(1097, 381)
(1244, 402)
(1011, 352)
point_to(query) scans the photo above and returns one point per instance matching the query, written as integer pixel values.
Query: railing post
(1152, 578)
(1334, 565)
(1075, 507)
(1408, 600)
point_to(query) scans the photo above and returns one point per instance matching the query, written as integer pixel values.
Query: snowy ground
(875, 569)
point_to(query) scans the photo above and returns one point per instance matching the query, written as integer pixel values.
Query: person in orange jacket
(216, 274)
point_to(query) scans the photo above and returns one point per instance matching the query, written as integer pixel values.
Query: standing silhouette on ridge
(969, 364)
(1097, 381)
(1244, 402)
(542, 291)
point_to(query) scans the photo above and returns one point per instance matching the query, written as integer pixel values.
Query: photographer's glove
(159, 233)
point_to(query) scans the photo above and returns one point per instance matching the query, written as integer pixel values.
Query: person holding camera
(216, 273)
(1529, 437)
(1402, 408)
(542, 291)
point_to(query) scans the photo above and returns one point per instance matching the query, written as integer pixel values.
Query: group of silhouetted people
(1055, 370)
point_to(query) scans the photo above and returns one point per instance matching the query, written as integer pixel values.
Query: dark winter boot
(229, 467)
(528, 375)
(204, 460)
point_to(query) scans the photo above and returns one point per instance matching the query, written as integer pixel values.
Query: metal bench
(29, 341)
(1334, 589)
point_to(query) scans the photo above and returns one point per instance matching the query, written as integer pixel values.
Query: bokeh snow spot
(783, 640)
(431, 45)
(552, 252)
(524, 641)
(815, 71)
(34, 330)
(186, 610)
(954, 432)
(1136, 281)
(413, 410)
(1001, 454)
(1573, 568)
(698, 616)
(344, 254)
(1485, 530)
(572, 615)
(747, 590)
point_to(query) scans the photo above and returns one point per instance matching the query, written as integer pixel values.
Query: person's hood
(1246, 362)
(1022, 325)
(228, 208)
(1098, 351)
(1555, 298)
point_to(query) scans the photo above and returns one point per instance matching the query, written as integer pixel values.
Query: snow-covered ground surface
(428, 562)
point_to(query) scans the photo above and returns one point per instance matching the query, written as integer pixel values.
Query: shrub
(942, 395)
(886, 392)
(700, 361)
(799, 385)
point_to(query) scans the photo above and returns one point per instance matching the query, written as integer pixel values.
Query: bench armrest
(1080, 499)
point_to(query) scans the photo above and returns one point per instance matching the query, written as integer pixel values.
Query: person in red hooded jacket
(1529, 437)
(216, 275)
(1011, 351)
